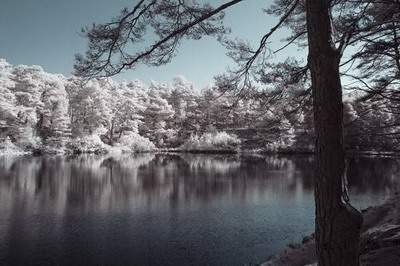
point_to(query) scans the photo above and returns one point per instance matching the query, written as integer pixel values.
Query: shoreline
(379, 241)
(39, 152)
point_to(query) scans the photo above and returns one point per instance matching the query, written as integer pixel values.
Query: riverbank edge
(109, 150)
(349, 153)
(379, 242)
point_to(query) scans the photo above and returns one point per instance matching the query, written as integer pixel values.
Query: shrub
(27, 140)
(87, 144)
(9, 148)
(136, 143)
(53, 145)
(212, 141)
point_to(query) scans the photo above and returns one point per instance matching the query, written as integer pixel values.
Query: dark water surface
(165, 209)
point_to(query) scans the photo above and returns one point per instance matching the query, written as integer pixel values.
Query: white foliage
(8, 109)
(136, 143)
(87, 144)
(9, 148)
(212, 141)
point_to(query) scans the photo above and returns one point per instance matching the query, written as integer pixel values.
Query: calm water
(165, 209)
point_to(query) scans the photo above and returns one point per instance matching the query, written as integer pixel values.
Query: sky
(47, 33)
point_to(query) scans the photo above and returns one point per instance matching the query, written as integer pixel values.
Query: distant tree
(126, 109)
(182, 98)
(54, 121)
(8, 108)
(89, 107)
(156, 116)
(29, 82)
(371, 125)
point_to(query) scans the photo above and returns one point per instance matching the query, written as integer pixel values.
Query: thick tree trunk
(337, 222)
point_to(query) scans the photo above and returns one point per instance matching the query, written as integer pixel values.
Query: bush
(53, 145)
(213, 142)
(87, 144)
(9, 148)
(28, 141)
(133, 142)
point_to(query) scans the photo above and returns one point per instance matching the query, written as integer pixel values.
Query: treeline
(48, 112)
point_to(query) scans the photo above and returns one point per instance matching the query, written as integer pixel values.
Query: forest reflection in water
(171, 208)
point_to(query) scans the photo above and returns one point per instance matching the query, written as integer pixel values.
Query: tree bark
(337, 222)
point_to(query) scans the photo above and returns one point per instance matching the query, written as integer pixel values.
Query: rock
(381, 246)
(379, 242)
(302, 255)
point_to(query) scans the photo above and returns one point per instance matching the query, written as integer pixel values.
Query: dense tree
(168, 114)
(28, 89)
(89, 107)
(127, 107)
(54, 123)
(276, 125)
(157, 115)
(182, 98)
(8, 109)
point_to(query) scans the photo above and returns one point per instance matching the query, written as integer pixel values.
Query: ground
(379, 246)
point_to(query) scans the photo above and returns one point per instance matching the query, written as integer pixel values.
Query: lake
(166, 209)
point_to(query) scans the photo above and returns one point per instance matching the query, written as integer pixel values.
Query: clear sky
(47, 33)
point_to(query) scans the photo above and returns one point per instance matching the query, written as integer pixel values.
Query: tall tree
(327, 27)
(338, 224)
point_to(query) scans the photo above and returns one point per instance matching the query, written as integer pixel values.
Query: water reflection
(249, 205)
(105, 182)
(98, 182)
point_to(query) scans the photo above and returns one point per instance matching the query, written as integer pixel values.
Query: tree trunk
(337, 222)
(111, 135)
